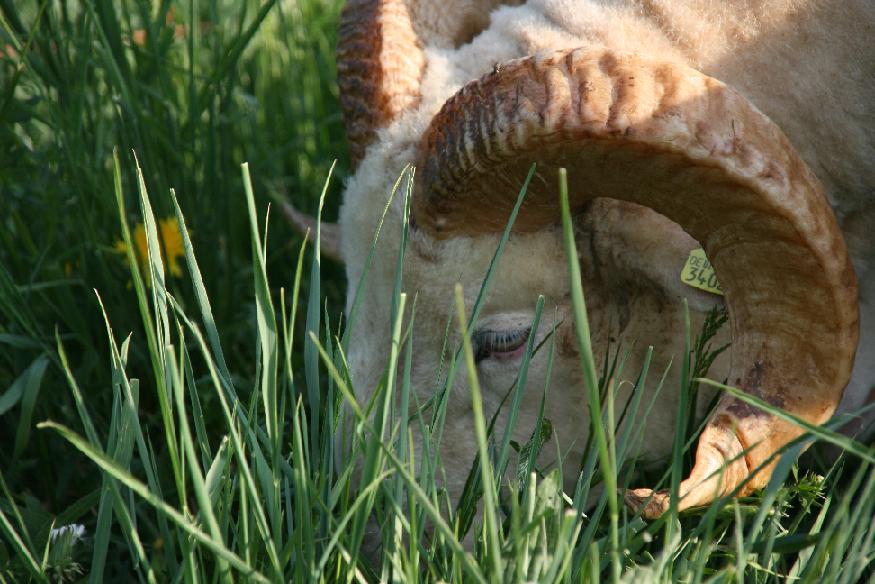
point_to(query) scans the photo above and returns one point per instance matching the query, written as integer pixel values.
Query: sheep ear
(634, 246)
(329, 234)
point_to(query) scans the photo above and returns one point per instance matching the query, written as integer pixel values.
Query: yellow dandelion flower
(172, 246)
(170, 241)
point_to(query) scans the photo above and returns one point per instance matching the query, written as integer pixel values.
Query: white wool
(810, 66)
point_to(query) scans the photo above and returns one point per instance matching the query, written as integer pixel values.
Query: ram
(744, 128)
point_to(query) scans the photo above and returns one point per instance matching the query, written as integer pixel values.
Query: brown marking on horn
(668, 137)
(379, 67)
(381, 58)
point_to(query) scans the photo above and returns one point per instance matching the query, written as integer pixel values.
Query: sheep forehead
(530, 264)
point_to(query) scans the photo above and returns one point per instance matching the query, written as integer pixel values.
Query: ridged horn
(380, 63)
(381, 56)
(668, 137)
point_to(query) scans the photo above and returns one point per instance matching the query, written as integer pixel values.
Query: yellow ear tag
(699, 273)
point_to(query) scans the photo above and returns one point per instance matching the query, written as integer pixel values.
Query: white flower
(76, 531)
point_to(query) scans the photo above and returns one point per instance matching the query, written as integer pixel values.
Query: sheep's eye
(499, 344)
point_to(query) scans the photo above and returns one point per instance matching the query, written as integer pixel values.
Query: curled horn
(381, 56)
(380, 62)
(668, 137)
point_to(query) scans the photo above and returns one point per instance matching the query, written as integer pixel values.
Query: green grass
(188, 420)
(249, 81)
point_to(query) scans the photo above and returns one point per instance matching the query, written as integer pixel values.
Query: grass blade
(143, 491)
(581, 329)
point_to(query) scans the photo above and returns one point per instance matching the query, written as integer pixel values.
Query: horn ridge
(380, 61)
(381, 56)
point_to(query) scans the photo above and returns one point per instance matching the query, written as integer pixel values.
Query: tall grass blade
(680, 433)
(27, 386)
(490, 504)
(125, 518)
(581, 329)
(311, 357)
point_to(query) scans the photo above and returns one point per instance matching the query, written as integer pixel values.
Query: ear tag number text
(699, 273)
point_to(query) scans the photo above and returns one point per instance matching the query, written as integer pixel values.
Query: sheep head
(659, 157)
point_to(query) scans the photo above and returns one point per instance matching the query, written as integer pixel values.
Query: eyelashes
(489, 343)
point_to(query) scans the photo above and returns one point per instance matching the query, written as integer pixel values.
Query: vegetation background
(194, 89)
(186, 91)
